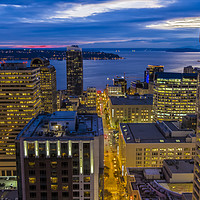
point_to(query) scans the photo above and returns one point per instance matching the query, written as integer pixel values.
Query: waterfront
(96, 72)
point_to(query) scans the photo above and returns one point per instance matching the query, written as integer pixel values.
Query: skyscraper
(174, 95)
(196, 182)
(74, 61)
(61, 156)
(19, 103)
(150, 71)
(121, 82)
(47, 84)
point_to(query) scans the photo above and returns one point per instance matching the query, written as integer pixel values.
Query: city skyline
(92, 23)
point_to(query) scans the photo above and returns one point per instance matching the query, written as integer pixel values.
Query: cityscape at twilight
(99, 100)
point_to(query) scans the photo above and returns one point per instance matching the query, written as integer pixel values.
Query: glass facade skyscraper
(74, 61)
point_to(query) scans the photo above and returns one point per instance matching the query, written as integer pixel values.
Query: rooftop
(155, 133)
(15, 66)
(180, 166)
(170, 75)
(132, 100)
(63, 125)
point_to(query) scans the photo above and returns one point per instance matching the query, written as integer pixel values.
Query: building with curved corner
(47, 84)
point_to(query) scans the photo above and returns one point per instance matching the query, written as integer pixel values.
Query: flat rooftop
(63, 125)
(148, 133)
(132, 100)
(170, 75)
(64, 115)
(172, 125)
(180, 166)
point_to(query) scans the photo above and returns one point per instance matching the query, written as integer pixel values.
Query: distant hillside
(28, 54)
(183, 50)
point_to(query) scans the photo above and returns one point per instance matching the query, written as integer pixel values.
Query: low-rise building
(148, 144)
(178, 171)
(135, 109)
(114, 90)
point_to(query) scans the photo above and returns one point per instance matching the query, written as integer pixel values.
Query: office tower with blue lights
(60, 156)
(47, 84)
(150, 71)
(74, 61)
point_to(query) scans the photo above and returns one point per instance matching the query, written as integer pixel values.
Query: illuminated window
(54, 180)
(32, 180)
(65, 187)
(87, 179)
(54, 187)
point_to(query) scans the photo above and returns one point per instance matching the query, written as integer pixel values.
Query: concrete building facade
(60, 156)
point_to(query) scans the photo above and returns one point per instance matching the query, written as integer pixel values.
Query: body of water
(96, 72)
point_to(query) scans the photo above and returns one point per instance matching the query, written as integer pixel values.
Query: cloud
(78, 42)
(189, 22)
(12, 5)
(77, 10)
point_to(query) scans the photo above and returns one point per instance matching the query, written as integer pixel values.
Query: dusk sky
(98, 23)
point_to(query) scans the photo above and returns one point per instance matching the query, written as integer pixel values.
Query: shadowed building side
(48, 84)
(74, 61)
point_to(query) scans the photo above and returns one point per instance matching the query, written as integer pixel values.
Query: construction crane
(125, 77)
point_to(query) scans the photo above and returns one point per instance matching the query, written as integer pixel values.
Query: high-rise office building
(74, 61)
(91, 97)
(121, 82)
(174, 95)
(196, 182)
(60, 156)
(47, 84)
(150, 71)
(19, 103)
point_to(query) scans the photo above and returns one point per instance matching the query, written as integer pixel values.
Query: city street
(113, 187)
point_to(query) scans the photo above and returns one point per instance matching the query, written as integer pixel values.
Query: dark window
(54, 195)
(43, 187)
(65, 194)
(32, 195)
(43, 196)
(32, 187)
(42, 172)
(43, 180)
(14, 173)
(75, 172)
(8, 173)
(64, 164)
(64, 172)
(31, 172)
(42, 164)
(64, 180)
(3, 173)
(75, 194)
(75, 186)
(86, 186)
(75, 163)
